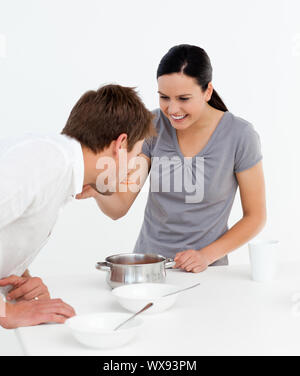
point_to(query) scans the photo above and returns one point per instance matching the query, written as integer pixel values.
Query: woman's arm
(116, 205)
(252, 193)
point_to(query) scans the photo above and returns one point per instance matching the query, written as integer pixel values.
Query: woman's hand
(36, 312)
(191, 261)
(25, 288)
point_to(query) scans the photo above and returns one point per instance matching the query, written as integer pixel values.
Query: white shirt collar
(78, 166)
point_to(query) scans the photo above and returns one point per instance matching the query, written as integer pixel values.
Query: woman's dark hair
(194, 62)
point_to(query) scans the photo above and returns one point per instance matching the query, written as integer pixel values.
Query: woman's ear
(209, 91)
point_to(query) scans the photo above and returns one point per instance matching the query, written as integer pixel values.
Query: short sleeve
(148, 143)
(146, 148)
(248, 151)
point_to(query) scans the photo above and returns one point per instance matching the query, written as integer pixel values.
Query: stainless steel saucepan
(128, 268)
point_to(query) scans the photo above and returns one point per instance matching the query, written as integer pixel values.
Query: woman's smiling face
(181, 99)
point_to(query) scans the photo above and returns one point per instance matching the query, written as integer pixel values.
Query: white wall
(53, 51)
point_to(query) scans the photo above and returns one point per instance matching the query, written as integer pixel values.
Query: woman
(216, 151)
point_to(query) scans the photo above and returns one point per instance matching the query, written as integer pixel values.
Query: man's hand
(87, 192)
(91, 191)
(36, 312)
(191, 261)
(25, 288)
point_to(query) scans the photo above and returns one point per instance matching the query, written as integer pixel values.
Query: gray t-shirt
(190, 199)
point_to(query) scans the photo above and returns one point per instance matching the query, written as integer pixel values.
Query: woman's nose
(173, 108)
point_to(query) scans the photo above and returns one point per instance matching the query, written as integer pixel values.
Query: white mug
(264, 259)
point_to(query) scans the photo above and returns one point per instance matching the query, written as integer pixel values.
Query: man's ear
(120, 143)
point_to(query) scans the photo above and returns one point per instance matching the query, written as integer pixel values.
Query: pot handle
(102, 266)
(169, 263)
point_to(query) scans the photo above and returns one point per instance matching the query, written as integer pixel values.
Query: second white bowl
(134, 297)
(97, 330)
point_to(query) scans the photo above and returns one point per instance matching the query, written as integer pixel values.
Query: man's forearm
(111, 205)
(243, 231)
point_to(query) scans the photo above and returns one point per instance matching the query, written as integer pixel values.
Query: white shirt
(38, 176)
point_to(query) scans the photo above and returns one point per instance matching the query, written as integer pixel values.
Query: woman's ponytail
(216, 102)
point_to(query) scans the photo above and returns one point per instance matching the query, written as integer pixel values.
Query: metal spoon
(176, 292)
(131, 317)
(151, 304)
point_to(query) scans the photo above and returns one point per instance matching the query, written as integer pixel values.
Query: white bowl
(97, 330)
(134, 297)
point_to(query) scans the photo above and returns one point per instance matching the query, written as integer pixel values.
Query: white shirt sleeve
(2, 297)
(2, 305)
(24, 172)
(13, 198)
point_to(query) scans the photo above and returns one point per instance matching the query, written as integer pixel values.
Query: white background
(53, 51)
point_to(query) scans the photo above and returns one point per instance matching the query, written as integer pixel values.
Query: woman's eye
(181, 99)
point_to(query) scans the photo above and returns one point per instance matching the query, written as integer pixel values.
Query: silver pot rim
(159, 257)
(107, 264)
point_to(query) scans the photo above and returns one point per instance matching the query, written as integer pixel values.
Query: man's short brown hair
(99, 117)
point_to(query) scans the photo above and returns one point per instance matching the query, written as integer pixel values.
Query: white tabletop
(228, 314)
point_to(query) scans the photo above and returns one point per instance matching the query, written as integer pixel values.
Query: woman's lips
(179, 119)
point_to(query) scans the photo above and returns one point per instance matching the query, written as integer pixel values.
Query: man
(40, 174)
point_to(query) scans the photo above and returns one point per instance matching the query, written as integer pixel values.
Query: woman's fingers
(183, 258)
(196, 267)
(191, 260)
(189, 264)
(179, 255)
(192, 266)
